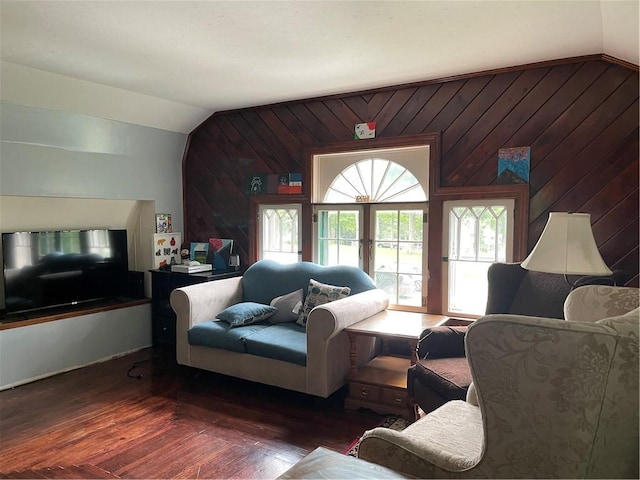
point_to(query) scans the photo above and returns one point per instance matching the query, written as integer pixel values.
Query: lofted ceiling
(171, 64)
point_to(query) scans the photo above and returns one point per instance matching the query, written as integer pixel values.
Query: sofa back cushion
(267, 279)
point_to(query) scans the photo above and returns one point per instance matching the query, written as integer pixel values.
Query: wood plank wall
(580, 117)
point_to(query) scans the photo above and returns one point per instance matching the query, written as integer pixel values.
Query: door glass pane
(397, 254)
(338, 237)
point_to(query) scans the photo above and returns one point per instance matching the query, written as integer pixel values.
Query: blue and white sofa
(306, 352)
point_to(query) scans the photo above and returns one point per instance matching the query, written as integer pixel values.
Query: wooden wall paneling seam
(419, 98)
(506, 134)
(543, 103)
(255, 149)
(609, 224)
(314, 126)
(627, 263)
(344, 114)
(578, 168)
(392, 108)
(534, 133)
(605, 199)
(597, 179)
(568, 128)
(623, 241)
(492, 138)
(455, 158)
(437, 103)
(449, 117)
(458, 136)
(378, 100)
(290, 142)
(276, 150)
(332, 124)
(203, 188)
(414, 126)
(358, 105)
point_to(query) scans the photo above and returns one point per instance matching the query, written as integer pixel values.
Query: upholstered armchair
(595, 302)
(442, 373)
(549, 399)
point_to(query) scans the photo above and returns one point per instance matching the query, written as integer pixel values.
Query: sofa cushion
(219, 334)
(267, 279)
(319, 294)
(283, 341)
(285, 305)
(246, 313)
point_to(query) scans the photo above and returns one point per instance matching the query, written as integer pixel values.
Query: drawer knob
(398, 399)
(364, 392)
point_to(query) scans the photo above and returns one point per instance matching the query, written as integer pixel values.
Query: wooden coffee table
(381, 384)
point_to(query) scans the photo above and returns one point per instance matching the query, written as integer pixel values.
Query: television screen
(64, 267)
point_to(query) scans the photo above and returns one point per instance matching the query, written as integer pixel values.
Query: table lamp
(567, 247)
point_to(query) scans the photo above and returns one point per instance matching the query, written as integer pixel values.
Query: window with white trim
(476, 234)
(385, 189)
(279, 232)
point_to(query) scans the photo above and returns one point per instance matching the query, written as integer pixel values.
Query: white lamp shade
(567, 246)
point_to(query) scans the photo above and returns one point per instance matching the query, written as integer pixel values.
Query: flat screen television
(63, 267)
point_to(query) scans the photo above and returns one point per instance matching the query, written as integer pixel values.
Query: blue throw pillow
(246, 313)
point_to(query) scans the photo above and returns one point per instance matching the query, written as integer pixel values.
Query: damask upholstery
(594, 302)
(554, 400)
(513, 290)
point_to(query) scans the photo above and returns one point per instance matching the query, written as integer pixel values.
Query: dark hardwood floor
(173, 422)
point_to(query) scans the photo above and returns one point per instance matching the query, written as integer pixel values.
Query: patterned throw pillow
(318, 294)
(246, 313)
(286, 305)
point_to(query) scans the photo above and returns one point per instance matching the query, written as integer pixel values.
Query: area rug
(394, 422)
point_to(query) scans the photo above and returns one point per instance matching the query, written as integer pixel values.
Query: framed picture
(166, 249)
(219, 251)
(163, 223)
(199, 251)
(514, 165)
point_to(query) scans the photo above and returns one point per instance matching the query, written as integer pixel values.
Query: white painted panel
(37, 351)
(30, 86)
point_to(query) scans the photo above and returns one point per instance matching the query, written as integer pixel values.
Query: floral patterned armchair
(594, 302)
(549, 399)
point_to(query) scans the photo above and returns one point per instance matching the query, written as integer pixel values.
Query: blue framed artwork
(514, 165)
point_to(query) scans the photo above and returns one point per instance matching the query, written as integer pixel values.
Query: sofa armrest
(199, 303)
(331, 318)
(203, 301)
(328, 345)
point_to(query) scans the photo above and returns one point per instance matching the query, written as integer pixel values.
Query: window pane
(397, 255)
(280, 233)
(338, 237)
(379, 179)
(478, 235)
(468, 287)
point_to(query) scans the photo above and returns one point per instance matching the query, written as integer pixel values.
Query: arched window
(376, 180)
(371, 212)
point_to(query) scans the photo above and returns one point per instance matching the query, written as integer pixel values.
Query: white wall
(37, 351)
(49, 157)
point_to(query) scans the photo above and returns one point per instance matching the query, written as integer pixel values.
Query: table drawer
(364, 391)
(394, 397)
